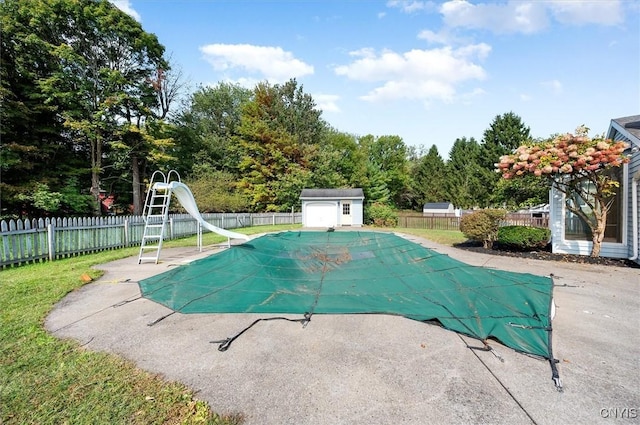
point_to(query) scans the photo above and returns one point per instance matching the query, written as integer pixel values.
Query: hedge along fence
(26, 241)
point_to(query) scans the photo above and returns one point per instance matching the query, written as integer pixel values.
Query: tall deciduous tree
(209, 129)
(578, 166)
(104, 66)
(33, 149)
(279, 132)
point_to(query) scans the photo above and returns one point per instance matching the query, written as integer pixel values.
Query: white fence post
(50, 241)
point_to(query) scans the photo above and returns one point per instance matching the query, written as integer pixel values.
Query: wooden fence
(437, 222)
(451, 222)
(25, 241)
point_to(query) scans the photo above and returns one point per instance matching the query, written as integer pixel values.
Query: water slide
(188, 202)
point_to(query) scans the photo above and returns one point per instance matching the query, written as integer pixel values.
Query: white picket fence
(26, 241)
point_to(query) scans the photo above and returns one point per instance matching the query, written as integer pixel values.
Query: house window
(576, 229)
(346, 209)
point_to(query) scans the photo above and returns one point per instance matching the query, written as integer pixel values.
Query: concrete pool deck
(364, 369)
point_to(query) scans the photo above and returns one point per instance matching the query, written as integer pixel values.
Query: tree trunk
(96, 166)
(137, 198)
(598, 233)
(95, 192)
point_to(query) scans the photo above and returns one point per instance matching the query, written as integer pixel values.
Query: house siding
(616, 133)
(357, 212)
(634, 167)
(620, 129)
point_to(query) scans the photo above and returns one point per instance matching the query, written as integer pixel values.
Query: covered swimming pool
(362, 272)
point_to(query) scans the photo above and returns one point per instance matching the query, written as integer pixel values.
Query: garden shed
(622, 235)
(332, 207)
(438, 208)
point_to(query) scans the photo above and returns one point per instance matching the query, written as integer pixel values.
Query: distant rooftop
(437, 205)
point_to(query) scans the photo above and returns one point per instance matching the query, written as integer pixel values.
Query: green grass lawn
(44, 380)
(443, 237)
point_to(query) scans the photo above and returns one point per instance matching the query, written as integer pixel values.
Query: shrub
(523, 237)
(381, 215)
(482, 225)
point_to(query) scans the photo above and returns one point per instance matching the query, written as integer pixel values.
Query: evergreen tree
(504, 135)
(376, 190)
(389, 155)
(463, 183)
(428, 182)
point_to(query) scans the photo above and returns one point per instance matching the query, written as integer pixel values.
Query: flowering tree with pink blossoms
(577, 166)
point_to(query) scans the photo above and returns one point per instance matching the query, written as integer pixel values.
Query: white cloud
(525, 97)
(440, 37)
(554, 86)
(587, 12)
(327, 102)
(125, 6)
(511, 17)
(411, 6)
(417, 74)
(529, 16)
(273, 63)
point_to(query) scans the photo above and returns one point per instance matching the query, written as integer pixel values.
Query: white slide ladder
(156, 214)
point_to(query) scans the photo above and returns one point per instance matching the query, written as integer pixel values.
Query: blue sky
(427, 71)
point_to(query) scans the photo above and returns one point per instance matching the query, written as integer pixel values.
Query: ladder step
(147, 258)
(151, 237)
(155, 225)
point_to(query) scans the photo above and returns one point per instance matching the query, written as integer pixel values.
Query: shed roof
(356, 193)
(437, 205)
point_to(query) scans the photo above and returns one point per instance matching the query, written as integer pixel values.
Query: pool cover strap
(225, 343)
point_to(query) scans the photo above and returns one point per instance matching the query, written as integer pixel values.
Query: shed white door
(347, 218)
(321, 214)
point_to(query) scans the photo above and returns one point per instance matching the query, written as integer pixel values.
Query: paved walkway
(377, 369)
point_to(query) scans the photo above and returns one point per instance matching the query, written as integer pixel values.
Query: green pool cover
(362, 272)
